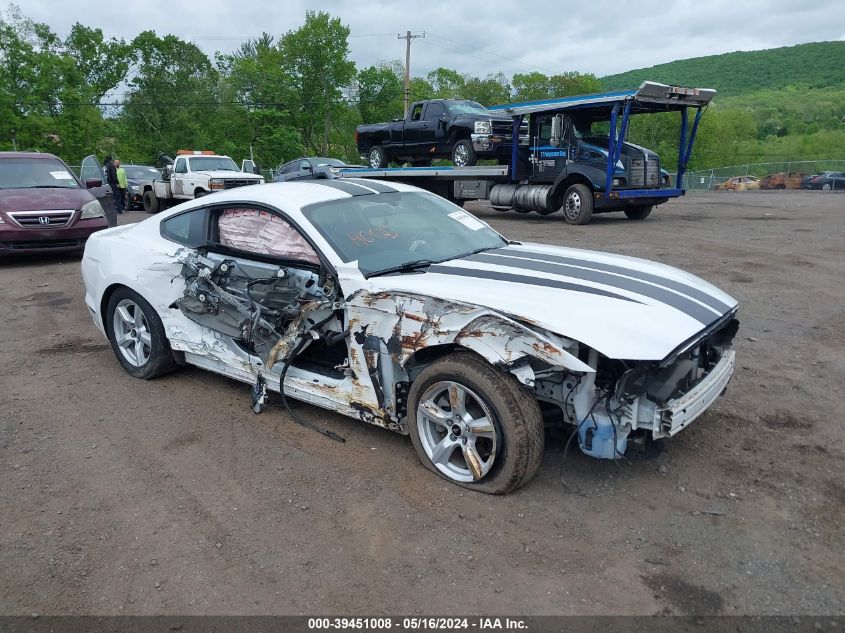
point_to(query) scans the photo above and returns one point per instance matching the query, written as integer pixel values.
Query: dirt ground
(170, 497)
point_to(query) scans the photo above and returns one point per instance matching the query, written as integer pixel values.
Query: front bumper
(494, 143)
(679, 413)
(15, 241)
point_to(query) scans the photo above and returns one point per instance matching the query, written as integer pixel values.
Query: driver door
(89, 171)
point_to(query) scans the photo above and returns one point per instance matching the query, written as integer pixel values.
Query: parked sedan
(135, 175)
(311, 168)
(827, 181)
(395, 307)
(45, 207)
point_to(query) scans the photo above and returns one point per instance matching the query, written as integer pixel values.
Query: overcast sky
(480, 36)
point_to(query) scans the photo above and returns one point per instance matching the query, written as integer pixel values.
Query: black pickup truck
(461, 130)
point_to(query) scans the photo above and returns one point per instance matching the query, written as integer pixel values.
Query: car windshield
(466, 107)
(141, 172)
(212, 163)
(331, 162)
(389, 230)
(35, 173)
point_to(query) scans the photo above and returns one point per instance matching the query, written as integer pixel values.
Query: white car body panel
(520, 307)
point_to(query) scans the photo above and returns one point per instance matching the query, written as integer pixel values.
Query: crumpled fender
(505, 342)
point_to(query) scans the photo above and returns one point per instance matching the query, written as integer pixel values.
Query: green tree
(379, 92)
(491, 90)
(446, 83)
(315, 58)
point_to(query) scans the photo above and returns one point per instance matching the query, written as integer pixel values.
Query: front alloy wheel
(132, 333)
(137, 335)
(456, 431)
(475, 424)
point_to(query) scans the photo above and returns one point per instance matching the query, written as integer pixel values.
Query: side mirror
(557, 127)
(307, 168)
(91, 183)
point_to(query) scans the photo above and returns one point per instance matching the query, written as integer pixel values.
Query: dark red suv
(44, 207)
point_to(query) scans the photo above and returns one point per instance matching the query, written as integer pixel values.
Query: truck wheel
(377, 157)
(578, 204)
(150, 202)
(463, 153)
(199, 193)
(475, 425)
(639, 213)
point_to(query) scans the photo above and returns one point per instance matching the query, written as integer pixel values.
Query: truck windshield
(466, 107)
(35, 173)
(389, 230)
(212, 163)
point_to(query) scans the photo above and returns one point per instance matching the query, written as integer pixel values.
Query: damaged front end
(643, 400)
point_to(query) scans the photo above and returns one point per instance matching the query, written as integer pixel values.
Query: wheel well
(460, 133)
(571, 179)
(147, 188)
(424, 357)
(104, 303)
(199, 190)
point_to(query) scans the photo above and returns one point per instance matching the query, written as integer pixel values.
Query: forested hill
(814, 65)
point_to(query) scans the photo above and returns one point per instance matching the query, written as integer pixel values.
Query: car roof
(28, 155)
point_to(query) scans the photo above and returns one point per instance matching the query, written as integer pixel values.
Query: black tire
(377, 157)
(151, 204)
(577, 204)
(199, 193)
(639, 213)
(463, 153)
(160, 360)
(514, 413)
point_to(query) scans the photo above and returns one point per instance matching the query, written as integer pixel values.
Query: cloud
(479, 37)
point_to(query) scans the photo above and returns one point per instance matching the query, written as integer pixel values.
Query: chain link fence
(780, 175)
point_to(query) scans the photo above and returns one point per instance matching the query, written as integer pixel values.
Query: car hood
(43, 199)
(623, 307)
(222, 173)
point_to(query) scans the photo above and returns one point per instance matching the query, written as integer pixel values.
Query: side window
(289, 168)
(181, 166)
(416, 112)
(305, 165)
(188, 228)
(434, 112)
(263, 233)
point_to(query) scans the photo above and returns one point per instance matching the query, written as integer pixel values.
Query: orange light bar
(195, 152)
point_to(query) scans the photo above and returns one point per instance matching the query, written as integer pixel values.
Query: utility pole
(408, 37)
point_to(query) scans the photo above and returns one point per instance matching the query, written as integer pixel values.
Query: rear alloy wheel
(463, 153)
(639, 213)
(137, 335)
(578, 204)
(826, 186)
(150, 202)
(377, 157)
(475, 425)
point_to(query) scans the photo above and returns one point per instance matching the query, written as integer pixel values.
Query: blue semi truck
(575, 158)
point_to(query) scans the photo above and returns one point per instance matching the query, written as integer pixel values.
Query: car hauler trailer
(567, 165)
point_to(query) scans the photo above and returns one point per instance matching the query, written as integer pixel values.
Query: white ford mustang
(391, 305)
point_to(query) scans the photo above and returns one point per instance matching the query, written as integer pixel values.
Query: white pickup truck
(194, 174)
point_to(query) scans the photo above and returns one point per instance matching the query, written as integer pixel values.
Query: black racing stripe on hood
(523, 279)
(380, 187)
(346, 187)
(678, 286)
(683, 304)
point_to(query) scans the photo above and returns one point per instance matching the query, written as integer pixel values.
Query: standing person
(121, 184)
(111, 179)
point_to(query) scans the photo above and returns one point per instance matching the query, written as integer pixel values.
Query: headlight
(483, 127)
(216, 183)
(92, 209)
(616, 182)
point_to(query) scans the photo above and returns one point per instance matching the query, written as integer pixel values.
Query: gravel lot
(170, 497)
